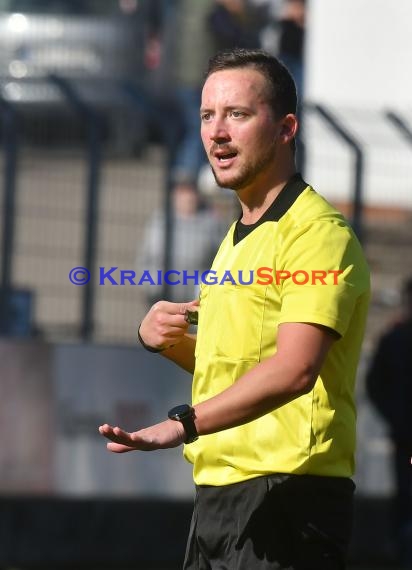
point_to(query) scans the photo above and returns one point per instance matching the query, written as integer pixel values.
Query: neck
(256, 199)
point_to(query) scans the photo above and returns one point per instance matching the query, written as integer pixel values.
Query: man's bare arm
(290, 373)
(183, 353)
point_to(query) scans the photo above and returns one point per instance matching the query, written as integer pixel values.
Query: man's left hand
(167, 434)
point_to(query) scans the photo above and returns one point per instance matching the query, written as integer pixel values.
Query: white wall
(359, 52)
(358, 62)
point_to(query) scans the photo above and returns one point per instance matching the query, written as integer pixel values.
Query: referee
(271, 427)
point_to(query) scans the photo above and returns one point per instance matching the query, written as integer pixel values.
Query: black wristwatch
(185, 414)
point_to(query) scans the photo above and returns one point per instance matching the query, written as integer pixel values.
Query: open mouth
(225, 156)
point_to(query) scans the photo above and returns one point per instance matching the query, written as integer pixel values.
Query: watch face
(185, 414)
(179, 412)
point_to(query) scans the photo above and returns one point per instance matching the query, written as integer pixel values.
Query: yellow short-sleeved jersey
(304, 236)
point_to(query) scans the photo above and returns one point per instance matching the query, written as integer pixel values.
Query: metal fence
(76, 204)
(46, 216)
(359, 160)
(84, 166)
(66, 205)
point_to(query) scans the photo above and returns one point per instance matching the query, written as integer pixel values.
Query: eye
(206, 116)
(237, 114)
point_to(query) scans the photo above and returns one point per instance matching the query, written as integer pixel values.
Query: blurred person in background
(185, 33)
(196, 234)
(269, 34)
(237, 23)
(282, 34)
(389, 386)
(291, 40)
(180, 45)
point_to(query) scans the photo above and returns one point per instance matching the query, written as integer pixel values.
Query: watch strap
(190, 429)
(146, 346)
(185, 414)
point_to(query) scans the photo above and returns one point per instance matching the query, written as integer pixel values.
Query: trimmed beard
(248, 173)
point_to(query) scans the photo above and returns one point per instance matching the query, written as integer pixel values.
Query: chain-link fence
(81, 177)
(52, 186)
(353, 155)
(85, 153)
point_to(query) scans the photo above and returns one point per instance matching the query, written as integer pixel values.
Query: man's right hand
(165, 324)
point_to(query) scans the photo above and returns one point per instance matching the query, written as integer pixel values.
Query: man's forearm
(183, 353)
(261, 390)
(288, 374)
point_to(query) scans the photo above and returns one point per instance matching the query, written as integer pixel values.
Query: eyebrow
(227, 108)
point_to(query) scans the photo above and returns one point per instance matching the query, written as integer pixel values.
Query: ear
(288, 128)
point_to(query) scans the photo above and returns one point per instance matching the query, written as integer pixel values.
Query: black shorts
(293, 522)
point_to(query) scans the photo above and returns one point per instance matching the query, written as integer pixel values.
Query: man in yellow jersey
(271, 428)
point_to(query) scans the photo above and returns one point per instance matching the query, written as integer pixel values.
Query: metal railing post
(400, 124)
(94, 159)
(10, 145)
(357, 199)
(166, 123)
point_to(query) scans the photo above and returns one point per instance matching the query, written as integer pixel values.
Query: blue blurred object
(17, 313)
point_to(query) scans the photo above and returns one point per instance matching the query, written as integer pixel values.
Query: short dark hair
(282, 88)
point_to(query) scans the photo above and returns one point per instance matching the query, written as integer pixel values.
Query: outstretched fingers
(118, 447)
(116, 434)
(159, 436)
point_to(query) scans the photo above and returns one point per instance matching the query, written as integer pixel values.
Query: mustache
(226, 148)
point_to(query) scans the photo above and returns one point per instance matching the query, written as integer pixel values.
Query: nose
(219, 132)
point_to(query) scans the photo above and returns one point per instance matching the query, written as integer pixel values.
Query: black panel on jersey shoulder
(281, 204)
